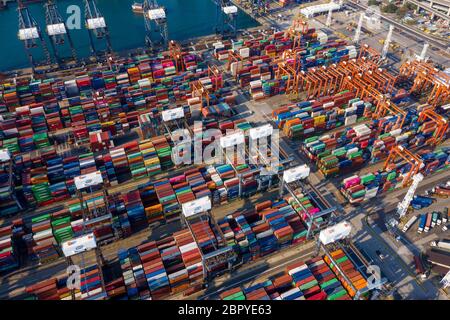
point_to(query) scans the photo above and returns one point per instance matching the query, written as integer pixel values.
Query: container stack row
(8, 253)
(310, 280)
(360, 188)
(353, 279)
(310, 117)
(265, 229)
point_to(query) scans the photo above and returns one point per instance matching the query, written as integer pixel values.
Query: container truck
(420, 270)
(445, 216)
(428, 223)
(423, 220)
(443, 244)
(441, 191)
(409, 224)
(434, 216)
(439, 218)
(420, 202)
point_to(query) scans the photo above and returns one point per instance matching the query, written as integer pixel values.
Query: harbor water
(186, 19)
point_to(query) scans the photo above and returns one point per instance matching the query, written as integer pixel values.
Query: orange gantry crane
(385, 107)
(296, 30)
(204, 86)
(234, 57)
(428, 81)
(216, 76)
(371, 53)
(199, 90)
(399, 152)
(176, 53)
(288, 65)
(441, 125)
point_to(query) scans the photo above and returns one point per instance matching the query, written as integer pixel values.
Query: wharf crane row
(428, 81)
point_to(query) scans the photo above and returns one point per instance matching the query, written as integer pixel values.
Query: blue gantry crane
(30, 33)
(155, 22)
(96, 25)
(226, 18)
(57, 29)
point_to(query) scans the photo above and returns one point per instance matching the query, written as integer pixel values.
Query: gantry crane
(155, 22)
(371, 53)
(385, 107)
(176, 53)
(29, 33)
(96, 25)
(441, 125)
(289, 67)
(428, 81)
(214, 72)
(415, 162)
(296, 31)
(226, 18)
(234, 57)
(198, 89)
(57, 29)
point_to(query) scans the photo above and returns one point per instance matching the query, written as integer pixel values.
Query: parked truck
(423, 221)
(441, 191)
(420, 270)
(443, 244)
(445, 216)
(428, 223)
(420, 202)
(409, 224)
(439, 219)
(434, 216)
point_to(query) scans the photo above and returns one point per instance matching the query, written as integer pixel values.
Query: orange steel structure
(371, 53)
(214, 72)
(405, 155)
(234, 57)
(176, 53)
(362, 76)
(359, 75)
(441, 125)
(295, 31)
(289, 66)
(198, 89)
(428, 81)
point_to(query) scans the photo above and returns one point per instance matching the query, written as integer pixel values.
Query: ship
(137, 7)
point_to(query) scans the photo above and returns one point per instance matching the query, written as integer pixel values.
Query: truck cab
(428, 222)
(434, 219)
(439, 219)
(423, 220)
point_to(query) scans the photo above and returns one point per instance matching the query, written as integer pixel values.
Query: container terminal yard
(326, 127)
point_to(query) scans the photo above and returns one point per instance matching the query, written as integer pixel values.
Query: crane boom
(403, 206)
